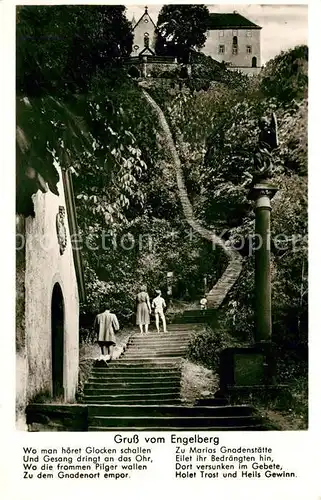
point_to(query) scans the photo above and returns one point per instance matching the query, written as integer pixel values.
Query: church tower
(144, 32)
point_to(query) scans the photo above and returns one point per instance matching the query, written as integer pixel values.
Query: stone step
(165, 421)
(157, 347)
(163, 347)
(181, 333)
(192, 321)
(149, 357)
(147, 363)
(163, 337)
(254, 427)
(159, 353)
(137, 372)
(135, 391)
(132, 377)
(121, 364)
(123, 387)
(141, 402)
(124, 377)
(143, 351)
(181, 327)
(133, 371)
(102, 379)
(158, 342)
(169, 410)
(154, 396)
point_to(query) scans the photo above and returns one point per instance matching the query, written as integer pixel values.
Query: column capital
(261, 190)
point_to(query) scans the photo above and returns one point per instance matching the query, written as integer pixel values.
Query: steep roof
(145, 14)
(234, 20)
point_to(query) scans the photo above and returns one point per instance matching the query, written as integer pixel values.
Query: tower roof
(234, 20)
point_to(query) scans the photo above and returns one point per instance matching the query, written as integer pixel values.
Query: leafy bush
(286, 76)
(205, 347)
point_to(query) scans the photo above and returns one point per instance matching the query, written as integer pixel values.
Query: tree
(59, 48)
(216, 133)
(286, 76)
(183, 27)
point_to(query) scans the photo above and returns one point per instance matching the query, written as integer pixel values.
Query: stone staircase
(171, 417)
(217, 295)
(142, 390)
(148, 372)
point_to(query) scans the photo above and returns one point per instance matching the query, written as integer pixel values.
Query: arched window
(146, 40)
(254, 62)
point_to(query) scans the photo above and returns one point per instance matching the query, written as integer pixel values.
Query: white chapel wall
(44, 266)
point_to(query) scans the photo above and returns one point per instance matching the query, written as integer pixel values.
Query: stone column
(263, 193)
(145, 66)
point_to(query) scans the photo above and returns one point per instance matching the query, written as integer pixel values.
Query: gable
(146, 22)
(147, 51)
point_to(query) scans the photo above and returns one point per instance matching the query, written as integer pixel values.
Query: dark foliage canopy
(182, 27)
(59, 48)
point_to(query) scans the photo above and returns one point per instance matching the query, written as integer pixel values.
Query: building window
(136, 47)
(249, 49)
(235, 33)
(221, 49)
(254, 62)
(221, 33)
(145, 20)
(146, 40)
(248, 33)
(234, 46)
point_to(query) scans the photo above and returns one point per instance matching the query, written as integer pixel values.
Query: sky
(283, 26)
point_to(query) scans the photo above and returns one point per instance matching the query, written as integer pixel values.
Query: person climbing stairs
(142, 390)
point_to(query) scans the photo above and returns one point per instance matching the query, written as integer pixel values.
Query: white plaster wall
(44, 267)
(242, 59)
(21, 389)
(144, 26)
